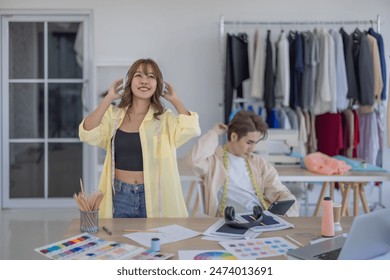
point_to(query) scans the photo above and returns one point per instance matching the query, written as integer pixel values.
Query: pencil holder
(89, 221)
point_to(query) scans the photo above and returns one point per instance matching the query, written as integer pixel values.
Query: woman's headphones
(229, 214)
(120, 89)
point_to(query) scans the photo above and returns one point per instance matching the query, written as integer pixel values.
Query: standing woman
(140, 176)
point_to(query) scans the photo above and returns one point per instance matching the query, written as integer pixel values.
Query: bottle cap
(327, 198)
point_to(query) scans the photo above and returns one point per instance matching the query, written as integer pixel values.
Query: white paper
(166, 235)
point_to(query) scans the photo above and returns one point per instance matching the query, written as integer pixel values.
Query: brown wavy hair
(128, 96)
(247, 121)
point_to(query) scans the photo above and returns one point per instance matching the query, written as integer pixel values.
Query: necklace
(225, 190)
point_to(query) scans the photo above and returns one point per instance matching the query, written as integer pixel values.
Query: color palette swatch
(258, 248)
(215, 256)
(205, 255)
(88, 246)
(152, 255)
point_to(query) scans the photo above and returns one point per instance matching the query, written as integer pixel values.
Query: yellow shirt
(159, 141)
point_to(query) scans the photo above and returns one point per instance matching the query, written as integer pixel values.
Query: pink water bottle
(327, 225)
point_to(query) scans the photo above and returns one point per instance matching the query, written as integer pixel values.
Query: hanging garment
(377, 74)
(282, 74)
(369, 144)
(237, 68)
(325, 100)
(363, 67)
(257, 89)
(381, 49)
(341, 73)
(293, 98)
(292, 117)
(353, 92)
(269, 98)
(311, 60)
(297, 68)
(329, 133)
(272, 119)
(302, 132)
(380, 116)
(356, 129)
(350, 131)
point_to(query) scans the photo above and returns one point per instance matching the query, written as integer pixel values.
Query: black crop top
(128, 151)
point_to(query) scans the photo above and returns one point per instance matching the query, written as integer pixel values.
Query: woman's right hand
(112, 91)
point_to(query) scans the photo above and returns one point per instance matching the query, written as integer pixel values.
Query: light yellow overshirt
(159, 141)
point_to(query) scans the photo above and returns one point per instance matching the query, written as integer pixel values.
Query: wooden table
(306, 229)
(355, 181)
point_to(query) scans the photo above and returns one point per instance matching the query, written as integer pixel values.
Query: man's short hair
(244, 122)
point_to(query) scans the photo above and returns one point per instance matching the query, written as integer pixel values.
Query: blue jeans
(129, 200)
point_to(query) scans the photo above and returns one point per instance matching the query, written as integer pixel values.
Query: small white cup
(337, 216)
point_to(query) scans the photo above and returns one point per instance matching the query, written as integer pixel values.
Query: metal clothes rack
(223, 23)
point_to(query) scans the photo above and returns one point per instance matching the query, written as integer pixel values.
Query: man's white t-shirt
(241, 192)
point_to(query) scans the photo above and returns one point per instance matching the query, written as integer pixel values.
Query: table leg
(363, 198)
(355, 199)
(344, 202)
(331, 190)
(320, 198)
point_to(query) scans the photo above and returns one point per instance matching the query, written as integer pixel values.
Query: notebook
(368, 238)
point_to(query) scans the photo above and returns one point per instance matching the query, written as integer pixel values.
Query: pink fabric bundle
(323, 164)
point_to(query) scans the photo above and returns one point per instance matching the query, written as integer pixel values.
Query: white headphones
(120, 89)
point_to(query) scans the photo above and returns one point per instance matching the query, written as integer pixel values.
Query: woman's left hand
(169, 92)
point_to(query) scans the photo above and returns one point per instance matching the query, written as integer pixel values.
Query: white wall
(183, 36)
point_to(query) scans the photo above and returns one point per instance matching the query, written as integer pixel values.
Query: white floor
(21, 231)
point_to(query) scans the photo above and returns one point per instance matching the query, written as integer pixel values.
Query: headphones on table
(229, 215)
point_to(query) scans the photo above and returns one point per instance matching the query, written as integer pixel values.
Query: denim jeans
(129, 200)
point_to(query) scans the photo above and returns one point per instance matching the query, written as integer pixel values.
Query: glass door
(44, 78)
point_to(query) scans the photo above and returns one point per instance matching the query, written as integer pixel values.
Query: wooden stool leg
(363, 198)
(355, 200)
(331, 190)
(344, 202)
(320, 198)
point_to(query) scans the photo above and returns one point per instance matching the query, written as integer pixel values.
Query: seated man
(232, 175)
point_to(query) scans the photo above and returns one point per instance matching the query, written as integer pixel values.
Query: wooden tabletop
(306, 229)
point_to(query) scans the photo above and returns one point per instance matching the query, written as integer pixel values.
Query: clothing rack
(223, 23)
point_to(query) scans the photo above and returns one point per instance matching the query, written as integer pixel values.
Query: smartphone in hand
(281, 207)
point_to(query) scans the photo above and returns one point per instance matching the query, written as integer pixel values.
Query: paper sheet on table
(166, 235)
